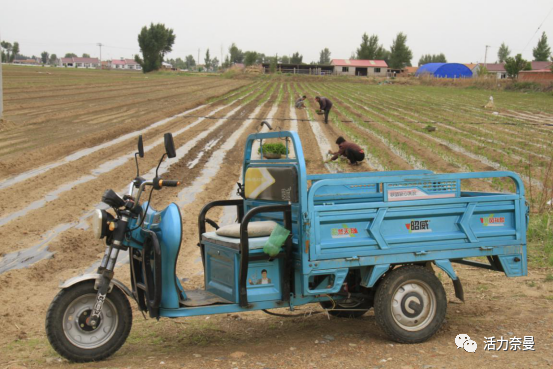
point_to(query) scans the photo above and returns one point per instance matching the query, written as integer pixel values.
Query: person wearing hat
(325, 105)
(353, 152)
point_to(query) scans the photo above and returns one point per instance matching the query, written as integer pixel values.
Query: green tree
(215, 64)
(428, 58)
(285, 59)
(190, 62)
(370, 49)
(45, 56)
(236, 55)
(296, 58)
(425, 59)
(250, 58)
(542, 51)
(70, 55)
(53, 59)
(226, 63)
(179, 63)
(7, 54)
(273, 65)
(514, 65)
(154, 43)
(482, 70)
(400, 54)
(15, 50)
(85, 55)
(503, 53)
(207, 61)
(324, 56)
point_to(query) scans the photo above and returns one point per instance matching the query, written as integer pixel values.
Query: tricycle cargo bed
(403, 219)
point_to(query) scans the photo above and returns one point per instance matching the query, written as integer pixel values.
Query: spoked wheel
(410, 304)
(349, 308)
(67, 325)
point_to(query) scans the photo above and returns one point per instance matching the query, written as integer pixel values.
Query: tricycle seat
(255, 243)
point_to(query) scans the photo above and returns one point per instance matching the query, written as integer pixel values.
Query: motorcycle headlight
(100, 220)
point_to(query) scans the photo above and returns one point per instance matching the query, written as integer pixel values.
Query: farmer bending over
(350, 150)
(299, 102)
(325, 105)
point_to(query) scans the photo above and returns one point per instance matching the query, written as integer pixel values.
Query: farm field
(69, 135)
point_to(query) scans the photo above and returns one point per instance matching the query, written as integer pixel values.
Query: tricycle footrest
(202, 298)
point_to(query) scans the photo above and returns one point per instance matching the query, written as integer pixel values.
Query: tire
(341, 309)
(408, 320)
(66, 329)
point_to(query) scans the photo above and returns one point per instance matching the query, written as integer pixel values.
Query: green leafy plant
(273, 148)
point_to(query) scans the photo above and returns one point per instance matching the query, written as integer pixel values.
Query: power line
(547, 16)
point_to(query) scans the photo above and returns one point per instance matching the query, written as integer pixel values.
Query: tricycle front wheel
(67, 323)
(410, 304)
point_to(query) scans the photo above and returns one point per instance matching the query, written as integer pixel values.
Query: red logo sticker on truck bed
(343, 232)
(492, 221)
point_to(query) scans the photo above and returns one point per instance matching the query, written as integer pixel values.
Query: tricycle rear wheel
(410, 304)
(71, 336)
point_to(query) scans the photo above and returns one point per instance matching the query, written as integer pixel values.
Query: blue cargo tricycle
(348, 241)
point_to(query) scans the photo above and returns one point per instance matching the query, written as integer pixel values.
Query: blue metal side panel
(170, 233)
(220, 272)
(342, 233)
(369, 233)
(221, 275)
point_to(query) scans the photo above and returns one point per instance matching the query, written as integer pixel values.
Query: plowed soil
(51, 114)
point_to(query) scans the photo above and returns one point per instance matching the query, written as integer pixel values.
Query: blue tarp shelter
(445, 70)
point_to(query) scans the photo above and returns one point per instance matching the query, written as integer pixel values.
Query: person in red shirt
(325, 105)
(350, 150)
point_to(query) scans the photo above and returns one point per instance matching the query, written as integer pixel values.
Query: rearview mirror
(169, 145)
(140, 147)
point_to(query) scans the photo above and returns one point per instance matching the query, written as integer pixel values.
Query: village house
(79, 62)
(28, 61)
(354, 67)
(538, 67)
(128, 64)
(541, 72)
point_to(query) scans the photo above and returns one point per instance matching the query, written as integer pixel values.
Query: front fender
(94, 276)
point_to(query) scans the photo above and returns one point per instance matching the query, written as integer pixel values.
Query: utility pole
(486, 57)
(100, 45)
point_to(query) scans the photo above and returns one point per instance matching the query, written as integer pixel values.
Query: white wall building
(354, 67)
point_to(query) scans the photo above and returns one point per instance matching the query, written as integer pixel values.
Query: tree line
(11, 52)
(156, 41)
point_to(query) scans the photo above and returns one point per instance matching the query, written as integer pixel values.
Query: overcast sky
(459, 29)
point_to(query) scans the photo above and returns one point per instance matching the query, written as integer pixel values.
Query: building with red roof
(79, 62)
(355, 67)
(128, 64)
(499, 68)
